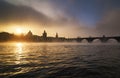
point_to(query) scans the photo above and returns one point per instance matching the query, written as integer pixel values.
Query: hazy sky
(70, 18)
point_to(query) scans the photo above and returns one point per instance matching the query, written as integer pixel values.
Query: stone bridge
(91, 39)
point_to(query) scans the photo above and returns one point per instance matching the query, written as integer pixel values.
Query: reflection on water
(18, 52)
(63, 60)
(19, 48)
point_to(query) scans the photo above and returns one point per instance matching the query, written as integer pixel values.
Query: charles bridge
(91, 39)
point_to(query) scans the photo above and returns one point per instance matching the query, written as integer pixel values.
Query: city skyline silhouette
(30, 37)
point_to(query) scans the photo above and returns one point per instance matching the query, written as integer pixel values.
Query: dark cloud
(110, 23)
(18, 14)
(10, 13)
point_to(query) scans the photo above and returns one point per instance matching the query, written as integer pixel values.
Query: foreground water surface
(59, 60)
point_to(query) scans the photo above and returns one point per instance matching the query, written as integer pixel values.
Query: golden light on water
(19, 48)
(19, 51)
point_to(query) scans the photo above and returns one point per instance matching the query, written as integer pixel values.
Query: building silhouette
(44, 35)
(56, 35)
(29, 34)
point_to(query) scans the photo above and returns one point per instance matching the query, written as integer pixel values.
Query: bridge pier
(90, 40)
(104, 39)
(79, 39)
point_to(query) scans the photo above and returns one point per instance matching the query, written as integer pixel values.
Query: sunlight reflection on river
(51, 59)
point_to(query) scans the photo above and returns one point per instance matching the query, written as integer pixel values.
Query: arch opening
(96, 41)
(84, 41)
(112, 40)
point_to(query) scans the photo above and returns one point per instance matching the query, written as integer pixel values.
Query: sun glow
(19, 31)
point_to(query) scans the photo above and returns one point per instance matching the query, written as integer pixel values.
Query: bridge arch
(117, 38)
(84, 41)
(88, 40)
(112, 40)
(96, 40)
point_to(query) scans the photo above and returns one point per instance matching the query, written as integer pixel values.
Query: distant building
(44, 35)
(56, 35)
(29, 34)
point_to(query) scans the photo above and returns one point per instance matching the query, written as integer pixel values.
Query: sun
(18, 30)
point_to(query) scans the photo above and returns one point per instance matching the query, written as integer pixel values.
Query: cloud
(40, 11)
(18, 14)
(47, 15)
(110, 23)
(46, 7)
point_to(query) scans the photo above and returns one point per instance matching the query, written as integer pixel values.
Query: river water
(59, 60)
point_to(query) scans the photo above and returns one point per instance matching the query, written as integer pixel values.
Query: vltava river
(59, 60)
